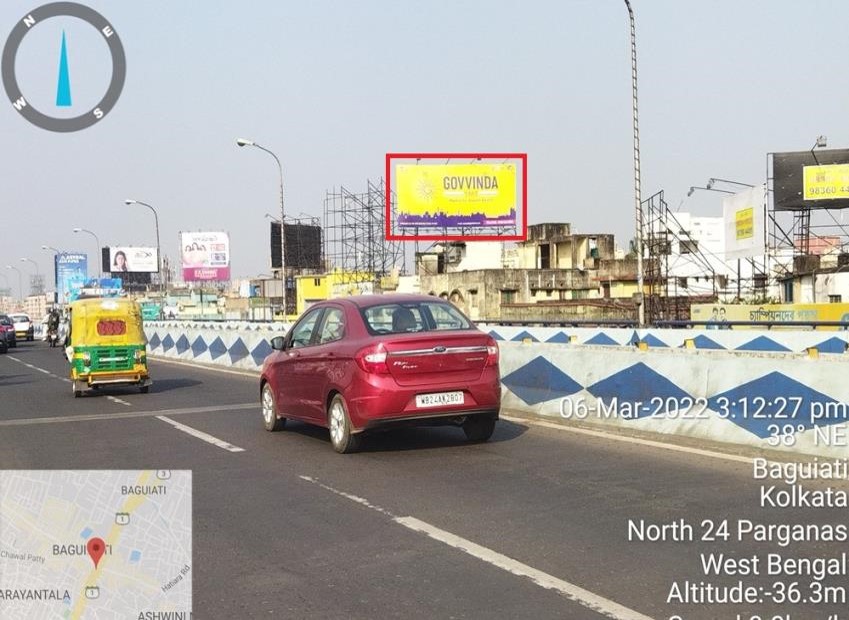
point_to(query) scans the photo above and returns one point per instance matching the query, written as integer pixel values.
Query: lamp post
(20, 282)
(98, 258)
(245, 142)
(158, 249)
(638, 203)
(55, 269)
(36, 286)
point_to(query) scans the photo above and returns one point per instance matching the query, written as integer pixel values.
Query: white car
(24, 328)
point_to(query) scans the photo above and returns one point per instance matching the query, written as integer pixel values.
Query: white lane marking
(119, 401)
(201, 435)
(643, 442)
(579, 595)
(92, 417)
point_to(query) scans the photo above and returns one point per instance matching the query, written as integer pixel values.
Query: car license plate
(440, 399)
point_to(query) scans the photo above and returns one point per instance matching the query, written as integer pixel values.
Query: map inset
(96, 544)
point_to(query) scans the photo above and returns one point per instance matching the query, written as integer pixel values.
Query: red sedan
(365, 362)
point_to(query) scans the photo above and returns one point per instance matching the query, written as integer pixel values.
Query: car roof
(366, 301)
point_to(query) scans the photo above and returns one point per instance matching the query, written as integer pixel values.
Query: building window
(508, 296)
(682, 282)
(835, 299)
(689, 246)
(316, 281)
(545, 256)
(788, 291)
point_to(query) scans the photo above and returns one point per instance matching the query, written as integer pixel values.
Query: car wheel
(479, 427)
(144, 389)
(269, 410)
(77, 393)
(341, 437)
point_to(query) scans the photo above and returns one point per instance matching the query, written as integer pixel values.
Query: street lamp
(36, 286)
(638, 203)
(20, 282)
(55, 270)
(158, 249)
(246, 142)
(707, 188)
(712, 181)
(98, 258)
(24, 260)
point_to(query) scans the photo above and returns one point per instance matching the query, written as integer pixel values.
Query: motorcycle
(52, 337)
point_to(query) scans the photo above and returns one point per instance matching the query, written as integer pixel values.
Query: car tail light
(87, 358)
(138, 356)
(373, 359)
(491, 352)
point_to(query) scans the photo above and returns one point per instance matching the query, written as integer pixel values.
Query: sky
(332, 86)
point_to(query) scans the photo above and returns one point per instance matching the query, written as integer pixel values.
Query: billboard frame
(522, 157)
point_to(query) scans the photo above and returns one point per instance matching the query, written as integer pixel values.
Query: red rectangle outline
(521, 156)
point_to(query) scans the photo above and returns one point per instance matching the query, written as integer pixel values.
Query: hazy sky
(332, 86)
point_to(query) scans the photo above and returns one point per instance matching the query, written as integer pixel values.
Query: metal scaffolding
(355, 244)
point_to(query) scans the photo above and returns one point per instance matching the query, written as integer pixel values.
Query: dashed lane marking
(579, 595)
(201, 435)
(90, 417)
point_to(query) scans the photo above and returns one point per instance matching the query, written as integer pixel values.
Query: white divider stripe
(201, 435)
(579, 595)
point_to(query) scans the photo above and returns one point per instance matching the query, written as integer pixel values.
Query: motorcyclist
(53, 326)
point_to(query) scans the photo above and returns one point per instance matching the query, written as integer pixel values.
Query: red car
(371, 361)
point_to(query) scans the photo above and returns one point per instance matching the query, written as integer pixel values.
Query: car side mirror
(278, 343)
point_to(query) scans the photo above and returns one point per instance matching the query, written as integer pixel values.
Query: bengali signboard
(125, 259)
(71, 270)
(816, 179)
(745, 224)
(717, 314)
(205, 256)
(452, 195)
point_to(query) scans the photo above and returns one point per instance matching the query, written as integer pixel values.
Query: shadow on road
(166, 385)
(411, 438)
(16, 379)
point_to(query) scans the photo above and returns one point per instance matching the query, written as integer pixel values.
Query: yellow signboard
(456, 190)
(744, 223)
(721, 313)
(826, 182)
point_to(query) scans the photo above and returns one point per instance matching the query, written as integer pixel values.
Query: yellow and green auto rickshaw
(107, 345)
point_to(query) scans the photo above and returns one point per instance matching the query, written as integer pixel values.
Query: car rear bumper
(377, 400)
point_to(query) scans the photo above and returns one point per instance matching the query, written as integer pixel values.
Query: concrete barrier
(796, 402)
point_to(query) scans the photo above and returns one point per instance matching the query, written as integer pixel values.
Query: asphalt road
(420, 524)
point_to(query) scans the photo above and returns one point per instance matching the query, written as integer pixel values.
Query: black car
(8, 329)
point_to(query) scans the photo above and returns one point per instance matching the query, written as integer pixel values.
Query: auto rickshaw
(107, 345)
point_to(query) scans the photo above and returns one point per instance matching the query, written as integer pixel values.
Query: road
(420, 524)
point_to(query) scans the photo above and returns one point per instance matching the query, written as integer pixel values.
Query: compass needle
(63, 89)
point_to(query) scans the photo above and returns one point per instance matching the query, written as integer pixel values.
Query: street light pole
(158, 248)
(20, 282)
(98, 256)
(246, 142)
(638, 203)
(36, 286)
(55, 274)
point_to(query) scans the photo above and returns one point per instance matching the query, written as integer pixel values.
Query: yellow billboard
(456, 194)
(721, 313)
(826, 182)
(744, 223)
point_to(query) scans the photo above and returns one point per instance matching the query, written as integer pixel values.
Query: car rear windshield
(20, 318)
(416, 316)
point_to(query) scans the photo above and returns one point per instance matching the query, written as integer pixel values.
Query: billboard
(126, 259)
(455, 195)
(71, 269)
(303, 246)
(745, 224)
(205, 256)
(96, 287)
(811, 179)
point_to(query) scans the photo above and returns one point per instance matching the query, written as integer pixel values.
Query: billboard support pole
(158, 249)
(641, 312)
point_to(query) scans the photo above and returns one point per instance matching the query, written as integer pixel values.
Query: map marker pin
(96, 547)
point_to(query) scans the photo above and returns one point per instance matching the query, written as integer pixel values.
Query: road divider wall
(790, 401)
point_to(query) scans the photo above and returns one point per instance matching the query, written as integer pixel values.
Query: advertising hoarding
(451, 195)
(811, 179)
(745, 224)
(71, 269)
(126, 259)
(303, 246)
(205, 256)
